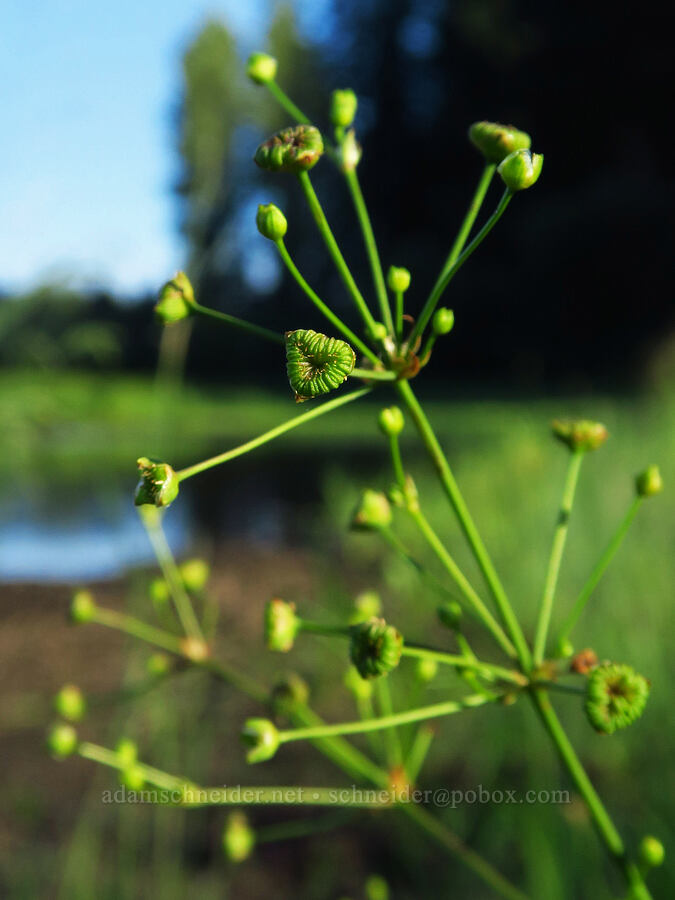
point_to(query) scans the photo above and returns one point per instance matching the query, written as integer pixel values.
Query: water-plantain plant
(389, 350)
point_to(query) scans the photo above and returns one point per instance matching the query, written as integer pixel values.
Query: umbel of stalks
(375, 647)
(158, 485)
(316, 364)
(616, 696)
(294, 149)
(497, 141)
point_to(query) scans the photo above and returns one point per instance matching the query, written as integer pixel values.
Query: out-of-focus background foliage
(567, 309)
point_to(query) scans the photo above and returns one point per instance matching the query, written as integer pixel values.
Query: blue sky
(86, 157)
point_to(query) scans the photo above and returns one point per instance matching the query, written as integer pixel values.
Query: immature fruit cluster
(294, 149)
(649, 483)
(373, 512)
(497, 141)
(281, 625)
(271, 222)
(375, 647)
(158, 485)
(262, 739)
(581, 435)
(343, 104)
(616, 696)
(176, 300)
(316, 364)
(521, 169)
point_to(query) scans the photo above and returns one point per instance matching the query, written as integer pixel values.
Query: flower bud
(391, 421)
(521, 169)
(373, 512)
(82, 607)
(343, 105)
(426, 670)
(127, 752)
(581, 435)
(366, 605)
(176, 299)
(443, 321)
(194, 574)
(281, 625)
(497, 141)
(359, 687)
(62, 741)
(158, 485)
(450, 615)
(584, 661)
(375, 647)
(398, 279)
(262, 737)
(315, 363)
(564, 649)
(378, 332)
(271, 222)
(69, 703)
(376, 888)
(616, 696)
(649, 482)
(651, 852)
(159, 592)
(132, 778)
(158, 664)
(349, 152)
(238, 837)
(261, 68)
(296, 149)
(289, 692)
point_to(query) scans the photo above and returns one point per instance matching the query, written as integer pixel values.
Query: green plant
(391, 357)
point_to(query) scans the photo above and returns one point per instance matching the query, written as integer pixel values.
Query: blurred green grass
(68, 427)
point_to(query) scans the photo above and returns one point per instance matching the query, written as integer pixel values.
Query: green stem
(284, 831)
(397, 545)
(373, 374)
(106, 757)
(469, 219)
(555, 560)
(466, 522)
(330, 242)
(322, 307)
(399, 315)
(273, 433)
(392, 739)
(598, 571)
(286, 103)
(469, 594)
(151, 519)
(447, 708)
(241, 324)
(444, 281)
(396, 461)
(487, 670)
(601, 818)
(418, 752)
(469, 857)
(371, 247)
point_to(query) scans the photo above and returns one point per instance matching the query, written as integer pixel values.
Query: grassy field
(69, 429)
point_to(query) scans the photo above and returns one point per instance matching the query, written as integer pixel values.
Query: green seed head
(373, 512)
(295, 150)
(69, 703)
(497, 141)
(271, 222)
(581, 435)
(651, 852)
(158, 485)
(194, 573)
(176, 300)
(343, 104)
(521, 169)
(443, 321)
(316, 364)
(281, 625)
(398, 279)
(238, 838)
(391, 421)
(649, 483)
(261, 68)
(616, 696)
(375, 647)
(262, 739)
(62, 741)
(82, 607)
(288, 693)
(450, 615)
